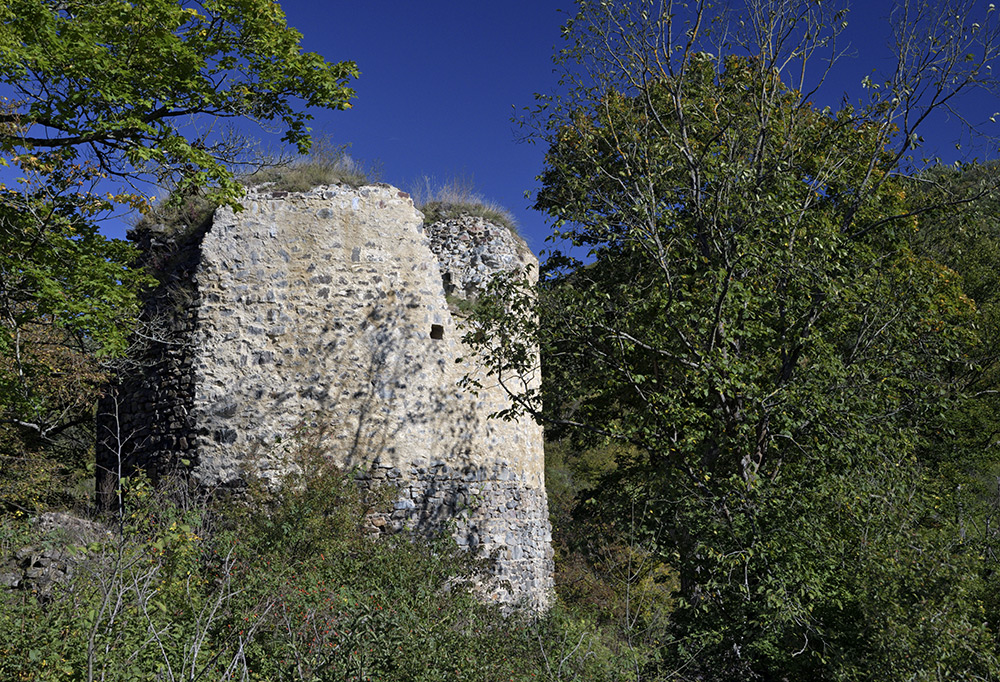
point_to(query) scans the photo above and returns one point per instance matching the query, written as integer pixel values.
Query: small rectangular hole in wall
(437, 331)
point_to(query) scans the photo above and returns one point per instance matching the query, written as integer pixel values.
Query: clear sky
(441, 80)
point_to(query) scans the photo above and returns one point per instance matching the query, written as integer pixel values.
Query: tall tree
(750, 315)
(98, 94)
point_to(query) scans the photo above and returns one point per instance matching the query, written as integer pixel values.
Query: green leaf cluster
(121, 79)
(284, 584)
(753, 319)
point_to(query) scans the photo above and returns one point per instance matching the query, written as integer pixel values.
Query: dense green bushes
(283, 585)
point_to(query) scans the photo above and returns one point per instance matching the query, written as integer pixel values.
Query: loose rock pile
(41, 566)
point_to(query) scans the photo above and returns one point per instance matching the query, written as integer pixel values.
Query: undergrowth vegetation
(607, 569)
(282, 585)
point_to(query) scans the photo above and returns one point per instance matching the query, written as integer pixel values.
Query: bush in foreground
(284, 585)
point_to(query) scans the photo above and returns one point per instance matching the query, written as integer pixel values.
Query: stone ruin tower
(326, 310)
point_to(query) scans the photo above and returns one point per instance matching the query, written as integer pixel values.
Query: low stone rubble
(53, 560)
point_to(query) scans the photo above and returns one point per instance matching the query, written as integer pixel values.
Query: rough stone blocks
(326, 312)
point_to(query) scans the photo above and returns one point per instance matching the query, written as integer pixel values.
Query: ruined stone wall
(145, 420)
(471, 250)
(324, 313)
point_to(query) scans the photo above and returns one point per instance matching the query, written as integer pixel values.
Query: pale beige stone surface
(317, 312)
(323, 316)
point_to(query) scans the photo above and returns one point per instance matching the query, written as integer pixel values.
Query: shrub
(179, 213)
(607, 570)
(282, 585)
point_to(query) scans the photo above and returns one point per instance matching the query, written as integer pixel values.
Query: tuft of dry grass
(326, 164)
(455, 198)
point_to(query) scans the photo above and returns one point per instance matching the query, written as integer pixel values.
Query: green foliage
(117, 76)
(180, 216)
(344, 605)
(958, 228)
(753, 322)
(282, 585)
(59, 270)
(608, 569)
(67, 298)
(133, 599)
(459, 305)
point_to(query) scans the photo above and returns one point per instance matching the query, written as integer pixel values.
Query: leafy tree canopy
(753, 317)
(120, 80)
(98, 94)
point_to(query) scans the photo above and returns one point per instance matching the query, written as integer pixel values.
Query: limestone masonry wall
(470, 250)
(325, 312)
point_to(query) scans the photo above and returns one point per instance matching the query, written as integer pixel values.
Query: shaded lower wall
(488, 511)
(324, 313)
(145, 421)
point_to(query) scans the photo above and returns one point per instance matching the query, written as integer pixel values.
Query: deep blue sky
(440, 81)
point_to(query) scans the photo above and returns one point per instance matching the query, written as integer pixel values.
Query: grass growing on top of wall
(456, 198)
(180, 213)
(326, 164)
